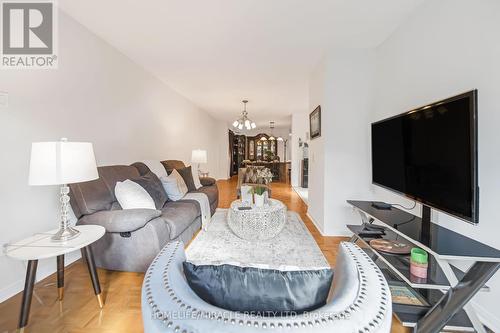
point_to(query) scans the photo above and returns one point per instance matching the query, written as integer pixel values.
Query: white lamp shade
(61, 162)
(199, 156)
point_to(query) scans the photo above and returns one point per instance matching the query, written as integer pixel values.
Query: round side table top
(40, 245)
(272, 204)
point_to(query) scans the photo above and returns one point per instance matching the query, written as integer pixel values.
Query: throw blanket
(202, 199)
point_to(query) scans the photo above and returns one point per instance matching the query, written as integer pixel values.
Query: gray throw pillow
(268, 292)
(187, 175)
(152, 184)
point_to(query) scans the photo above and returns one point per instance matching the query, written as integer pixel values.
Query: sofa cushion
(179, 215)
(172, 164)
(265, 291)
(131, 195)
(187, 174)
(96, 195)
(154, 166)
(126, 220)
(90, 197)
(211, 191)
(117, 173)
(152, 184)
(174, 186)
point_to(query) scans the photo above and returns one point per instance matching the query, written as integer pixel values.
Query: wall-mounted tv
(430, 155)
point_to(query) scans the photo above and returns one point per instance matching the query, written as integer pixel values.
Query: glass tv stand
(446, 292)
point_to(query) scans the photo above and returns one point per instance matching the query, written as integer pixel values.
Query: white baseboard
(315, 224)
(42, 272)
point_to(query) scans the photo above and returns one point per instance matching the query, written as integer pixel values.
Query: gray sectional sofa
(135, 236)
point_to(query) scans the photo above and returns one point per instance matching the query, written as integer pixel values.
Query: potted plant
(259, 195)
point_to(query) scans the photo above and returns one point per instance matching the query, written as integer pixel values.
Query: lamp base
(65, 234)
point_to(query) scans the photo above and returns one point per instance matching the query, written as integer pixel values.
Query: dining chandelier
(271, 136)
(244, 121)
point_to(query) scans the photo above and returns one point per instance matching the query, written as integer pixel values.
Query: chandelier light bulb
(244, 121)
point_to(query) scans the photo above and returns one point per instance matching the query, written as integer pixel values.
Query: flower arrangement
(265, 174)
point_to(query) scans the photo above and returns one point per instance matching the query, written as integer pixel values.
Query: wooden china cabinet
(257, 149)
(259, 152)
(237, 146)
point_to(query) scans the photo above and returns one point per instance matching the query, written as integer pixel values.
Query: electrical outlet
(4, 99)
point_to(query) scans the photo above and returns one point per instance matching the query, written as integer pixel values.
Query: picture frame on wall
(315, 123)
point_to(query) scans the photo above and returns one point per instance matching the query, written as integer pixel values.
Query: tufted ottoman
(361, 301)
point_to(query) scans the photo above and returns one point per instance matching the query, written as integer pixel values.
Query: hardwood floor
(79, 311)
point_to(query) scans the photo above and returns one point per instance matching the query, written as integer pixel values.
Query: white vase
(259, 199)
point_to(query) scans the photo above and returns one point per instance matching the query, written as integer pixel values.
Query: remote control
(381, 205)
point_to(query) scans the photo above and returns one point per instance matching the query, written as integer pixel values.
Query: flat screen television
(430, 155)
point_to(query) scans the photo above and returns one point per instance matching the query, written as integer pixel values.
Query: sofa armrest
(123, 220)
(207, 181)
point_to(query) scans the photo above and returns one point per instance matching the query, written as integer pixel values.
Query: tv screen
(430, 155)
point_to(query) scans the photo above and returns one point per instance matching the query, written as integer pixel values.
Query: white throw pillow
(156, 167)
(174, 185)
(131, 195)
(196, 178)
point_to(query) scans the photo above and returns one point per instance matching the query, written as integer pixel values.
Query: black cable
(406, 208)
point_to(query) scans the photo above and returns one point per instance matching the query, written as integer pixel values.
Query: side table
(40, 246)
(257, 223)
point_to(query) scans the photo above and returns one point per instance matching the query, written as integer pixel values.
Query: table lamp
(199, 156)
(62, 163)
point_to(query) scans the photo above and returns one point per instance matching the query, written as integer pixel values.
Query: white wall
(316, 175)
(339, 160)
(445, 48)
(348, 102)
(96, 95)
(300, 127)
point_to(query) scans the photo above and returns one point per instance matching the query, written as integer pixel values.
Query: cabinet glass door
(251, 149)
(259, 150)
